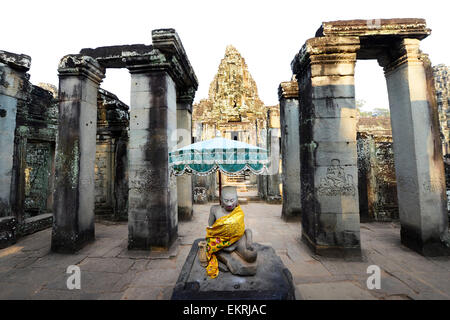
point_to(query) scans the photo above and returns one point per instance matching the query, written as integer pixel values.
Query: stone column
(329, 192)
(152, 197)
(73, 207)
(273, 179)
(262, 179)
(290, 152)
(14, 91)
(184, 126)
(417, 151)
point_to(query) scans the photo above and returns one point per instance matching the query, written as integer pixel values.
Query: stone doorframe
(162, 81)
(324, 68)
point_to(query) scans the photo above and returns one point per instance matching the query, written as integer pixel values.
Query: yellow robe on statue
(223, 233)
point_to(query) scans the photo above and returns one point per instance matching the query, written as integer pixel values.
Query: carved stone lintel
(407, 51)
(404, 27)
(73, 65)
(19, 62)
(168, 42)
(326, 50)
(186, 96)
(288, 90)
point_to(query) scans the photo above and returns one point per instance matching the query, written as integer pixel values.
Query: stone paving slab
(333, 291)
(29, 270)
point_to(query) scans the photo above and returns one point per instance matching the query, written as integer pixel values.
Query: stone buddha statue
(239, 257)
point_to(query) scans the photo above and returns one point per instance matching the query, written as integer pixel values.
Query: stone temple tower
(232, 110)
(233, 106)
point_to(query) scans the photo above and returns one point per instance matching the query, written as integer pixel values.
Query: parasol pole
(220, 187)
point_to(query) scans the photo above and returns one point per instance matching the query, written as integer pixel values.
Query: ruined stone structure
(442, 85)
(28, 122)
(32, 126)
(111, 163)
(162, 81)
(377, 187)
(324, 68)
(290, 152)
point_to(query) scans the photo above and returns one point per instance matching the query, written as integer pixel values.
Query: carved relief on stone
(336, 181)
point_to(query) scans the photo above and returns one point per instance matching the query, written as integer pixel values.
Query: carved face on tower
(229, 198)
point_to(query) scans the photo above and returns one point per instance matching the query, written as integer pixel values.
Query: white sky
(267, 33)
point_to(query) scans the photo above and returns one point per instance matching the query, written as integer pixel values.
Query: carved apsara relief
(336, 182)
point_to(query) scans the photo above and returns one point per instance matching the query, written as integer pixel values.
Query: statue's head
(229, 198)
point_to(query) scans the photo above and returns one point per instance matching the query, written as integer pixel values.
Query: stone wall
(111, 179)
(41, 124)
(31, 123)
(28, 122)
(442, 86)
(376, 170)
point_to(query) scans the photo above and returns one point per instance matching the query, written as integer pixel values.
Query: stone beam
(412, 28)
(168, 42)
(113, 56)
(73, 207)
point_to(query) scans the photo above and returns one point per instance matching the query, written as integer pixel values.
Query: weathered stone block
(331, 91)
(334, 129)
(36, 223)
(334, 108)
(8, 231)
(344, 151)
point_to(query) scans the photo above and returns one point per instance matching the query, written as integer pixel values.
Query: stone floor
(28, 270)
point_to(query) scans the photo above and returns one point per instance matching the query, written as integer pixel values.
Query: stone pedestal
(329, 190)
(272, 281)
(290, 149)
(73, 207)
(184, 138)
(14, 89)
(417, 150)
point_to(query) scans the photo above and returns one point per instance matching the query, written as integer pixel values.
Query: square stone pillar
(273, 178)
(156, 76)
(290, 149)
(418, 157)
(184, 138)
(329, 175)
(152, 197)
(74, 194)
(14, 91)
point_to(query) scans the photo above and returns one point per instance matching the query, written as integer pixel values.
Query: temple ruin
(72, 153)
(324, 69)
